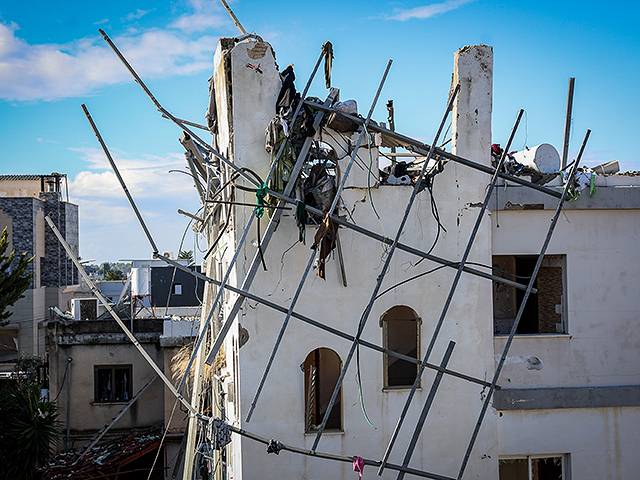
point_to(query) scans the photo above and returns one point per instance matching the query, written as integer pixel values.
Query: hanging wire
(164, 435)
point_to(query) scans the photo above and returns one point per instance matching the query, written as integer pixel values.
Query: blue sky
(52, 60)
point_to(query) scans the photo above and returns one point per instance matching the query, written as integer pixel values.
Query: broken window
(322, 368)
(545, 310)
(112, 383)
(533, 468)
(401, 332)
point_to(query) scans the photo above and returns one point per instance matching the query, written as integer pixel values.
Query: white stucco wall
(280, 412)
(602, 346)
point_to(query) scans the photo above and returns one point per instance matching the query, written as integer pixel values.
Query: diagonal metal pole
(337, 458)
(422, 148)
(101, 433)
(166, 114)
(267, 368)
(236, 308)
(115, 170)
(264, 243)
(385, 268)
(425, 411)
(312, 257)
(115, 316)
(452, 290)
(322, 326)
(516, 322)
(266, 238)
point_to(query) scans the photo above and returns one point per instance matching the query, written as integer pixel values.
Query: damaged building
(461, 314)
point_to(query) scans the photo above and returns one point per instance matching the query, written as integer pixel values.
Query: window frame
(112, 368)
(565, 459)
(384, 324)
(504, 291)
(306, 389)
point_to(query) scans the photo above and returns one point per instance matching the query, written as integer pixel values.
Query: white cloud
(427, 11)
(206, 15)
(146, 176)
(78, 68)
(109, 228)
(100, 22)
(135, 16)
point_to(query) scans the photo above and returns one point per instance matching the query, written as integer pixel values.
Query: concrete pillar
(471, 138)
(471, 127)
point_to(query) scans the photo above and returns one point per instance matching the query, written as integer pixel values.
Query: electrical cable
(166, 430)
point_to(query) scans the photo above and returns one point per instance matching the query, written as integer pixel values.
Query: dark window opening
(113, 384)
(322, 368)
(529, 468)
(544, 310)
(401, 331)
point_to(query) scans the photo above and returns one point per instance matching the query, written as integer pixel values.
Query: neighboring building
(569, 404)
(157, 288)
(577, 406)
(99, 379)
(24, 202)
(106, 372)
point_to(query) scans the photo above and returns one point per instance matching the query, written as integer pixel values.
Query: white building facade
(583, 351)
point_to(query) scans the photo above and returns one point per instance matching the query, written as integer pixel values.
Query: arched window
(401, 333)
(322, 368)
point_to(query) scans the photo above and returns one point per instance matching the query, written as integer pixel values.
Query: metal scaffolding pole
(422, 148)
(365, 316)
(113, 314)
(333, 206)
(124, 187)
(454, 285)
(322, 326)
(425, 411)
(401, 246)
(516, 322)
(247, 282)
(338, 458)
(273, 223)
(166, 114)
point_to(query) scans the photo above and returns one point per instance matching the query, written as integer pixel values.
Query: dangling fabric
(274, 447)
(326, 239)
(287, 95)
(327, 49)
(218, 433)
(358, 465)
(212, 114)
(301, 221)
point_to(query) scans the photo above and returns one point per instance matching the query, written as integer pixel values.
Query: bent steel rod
(115, 316)
(425, 411)
(168, 115)
(452, 290)
(271, 227)
(263, 245)
(423, 148)
(365, 316)
(115, 170)
(305, 275)
(320, 325)
(516, 322)
(339, 458)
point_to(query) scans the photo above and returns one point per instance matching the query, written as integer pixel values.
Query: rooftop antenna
(233, 17)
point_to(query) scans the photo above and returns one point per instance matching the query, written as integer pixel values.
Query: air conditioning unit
(84, 308)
